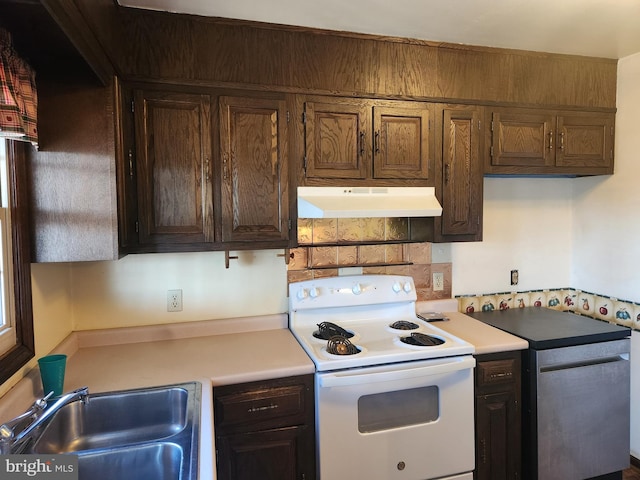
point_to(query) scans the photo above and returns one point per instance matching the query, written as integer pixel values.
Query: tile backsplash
(373, 245)
(609, 309)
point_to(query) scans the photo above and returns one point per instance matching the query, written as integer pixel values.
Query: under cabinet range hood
(359, 202)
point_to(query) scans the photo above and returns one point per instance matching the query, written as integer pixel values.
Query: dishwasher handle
(403, 371)
(584, 363)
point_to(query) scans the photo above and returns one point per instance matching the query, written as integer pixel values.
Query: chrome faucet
(39, 412)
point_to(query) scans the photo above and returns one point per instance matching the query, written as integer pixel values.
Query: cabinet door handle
(225, 165)
(130, 164)
(377, 142)
(447, 173)
(550, 140)
(562, 141)
(362, 134)
(206, 167)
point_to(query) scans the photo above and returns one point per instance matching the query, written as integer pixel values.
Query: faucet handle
(42, 402)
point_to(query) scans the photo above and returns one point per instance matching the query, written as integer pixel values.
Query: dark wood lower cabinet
(266, 430)
(276, 454)
(498, 419)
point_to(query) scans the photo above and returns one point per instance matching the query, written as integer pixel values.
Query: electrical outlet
(514, 277)
(438, 281)
(174, 300)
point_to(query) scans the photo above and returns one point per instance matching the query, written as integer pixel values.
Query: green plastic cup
(52, 373)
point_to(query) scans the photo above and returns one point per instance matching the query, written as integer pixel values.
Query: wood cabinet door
(585, 140)
(496, 442)
(522, 139)
(253, 145)
(462, 172)
(402, 142)
(279, 454)
(173, 156)
(337, 138)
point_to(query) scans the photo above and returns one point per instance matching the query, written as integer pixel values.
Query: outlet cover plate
(438, 281)
(174, 300)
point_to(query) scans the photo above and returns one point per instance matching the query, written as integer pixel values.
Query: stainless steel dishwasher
(582, 406)
(576, 393)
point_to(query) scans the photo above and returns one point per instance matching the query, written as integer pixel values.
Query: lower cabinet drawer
(495, 372)
(261, 405)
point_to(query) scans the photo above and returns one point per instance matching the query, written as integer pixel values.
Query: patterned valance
(18, 97)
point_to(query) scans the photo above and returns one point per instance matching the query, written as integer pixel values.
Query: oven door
(409, 421)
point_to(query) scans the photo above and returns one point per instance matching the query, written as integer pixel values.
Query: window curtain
(18, 97)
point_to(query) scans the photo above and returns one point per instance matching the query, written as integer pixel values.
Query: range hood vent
(359, 202)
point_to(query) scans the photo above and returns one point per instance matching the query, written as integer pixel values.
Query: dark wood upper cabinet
(337, 138)
(173, 153)
(202, 169)
(525, 141)
(402, 144)
(585, 141)
(367, 140)
(462, 176)
(254, 152)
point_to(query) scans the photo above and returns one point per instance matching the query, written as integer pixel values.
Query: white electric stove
(394, 388)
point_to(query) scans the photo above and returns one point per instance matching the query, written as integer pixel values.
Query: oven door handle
(400, 372)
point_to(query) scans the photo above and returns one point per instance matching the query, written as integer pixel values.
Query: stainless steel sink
(157, 461)
(141, 433)
(115, 419)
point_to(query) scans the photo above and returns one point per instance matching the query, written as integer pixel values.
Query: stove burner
(404, 325)
(326, 330)
(422, 340)
(339, 345)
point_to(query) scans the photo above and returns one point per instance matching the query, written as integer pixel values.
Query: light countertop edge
(485, 338)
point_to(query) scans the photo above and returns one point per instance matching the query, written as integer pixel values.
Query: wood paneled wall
(183, 48)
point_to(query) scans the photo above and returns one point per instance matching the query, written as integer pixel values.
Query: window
(7, 312)
(16, 332)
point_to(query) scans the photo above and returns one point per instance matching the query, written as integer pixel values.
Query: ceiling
(598, 28)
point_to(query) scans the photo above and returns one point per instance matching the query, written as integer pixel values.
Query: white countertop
(485, 338)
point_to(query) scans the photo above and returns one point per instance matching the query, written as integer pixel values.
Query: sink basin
(129, 434)
(158, 461)
(115, 419)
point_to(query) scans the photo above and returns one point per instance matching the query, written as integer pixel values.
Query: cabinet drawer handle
(271, 406)
(501, 375)
(377, 141)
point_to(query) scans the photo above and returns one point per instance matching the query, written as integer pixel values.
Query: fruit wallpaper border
(608, 309)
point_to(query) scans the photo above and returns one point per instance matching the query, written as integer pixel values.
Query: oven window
(384, 411)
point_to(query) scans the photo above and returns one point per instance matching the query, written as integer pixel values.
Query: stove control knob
(357, 289)
(313, 292)
(397, 287)
(407, 287)
(303, 293)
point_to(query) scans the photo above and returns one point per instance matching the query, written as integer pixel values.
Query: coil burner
(326, 330)
(422, 340)
(339, 345)
(404, 325)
